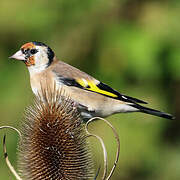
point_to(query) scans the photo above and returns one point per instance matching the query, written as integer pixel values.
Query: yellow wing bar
(91, 86)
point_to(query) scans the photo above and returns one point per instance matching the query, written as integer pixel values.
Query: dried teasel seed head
(53, 144)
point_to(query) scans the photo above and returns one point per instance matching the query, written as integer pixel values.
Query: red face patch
(29, 45)
(30, 61)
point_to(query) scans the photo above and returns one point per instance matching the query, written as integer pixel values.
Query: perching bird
(93, 97)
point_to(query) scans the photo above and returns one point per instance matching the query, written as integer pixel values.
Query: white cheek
(39, 57)
(38, 67)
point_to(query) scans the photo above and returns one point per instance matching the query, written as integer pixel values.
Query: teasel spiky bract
(53, 143)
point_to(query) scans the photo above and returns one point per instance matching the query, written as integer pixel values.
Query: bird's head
(35, 54)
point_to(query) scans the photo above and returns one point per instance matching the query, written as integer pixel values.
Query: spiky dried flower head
(53, 144)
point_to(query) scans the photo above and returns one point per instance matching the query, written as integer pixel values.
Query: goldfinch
(93, 97)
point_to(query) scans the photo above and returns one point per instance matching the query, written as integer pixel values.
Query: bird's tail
(153, 111)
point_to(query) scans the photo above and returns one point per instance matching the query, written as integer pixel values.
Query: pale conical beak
(18, 55)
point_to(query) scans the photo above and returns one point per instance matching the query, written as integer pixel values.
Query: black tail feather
(135, 100)
(153, 111)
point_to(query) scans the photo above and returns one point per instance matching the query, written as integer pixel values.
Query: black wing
(100, 88)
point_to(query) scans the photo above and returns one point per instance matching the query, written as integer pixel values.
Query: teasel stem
(11, 168)
(104, 152)
(13, 128)
(7, 160)
(105, 177)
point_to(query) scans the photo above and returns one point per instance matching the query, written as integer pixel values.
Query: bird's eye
(33, 51)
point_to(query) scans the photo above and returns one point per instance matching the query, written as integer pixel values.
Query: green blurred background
(133, 45)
